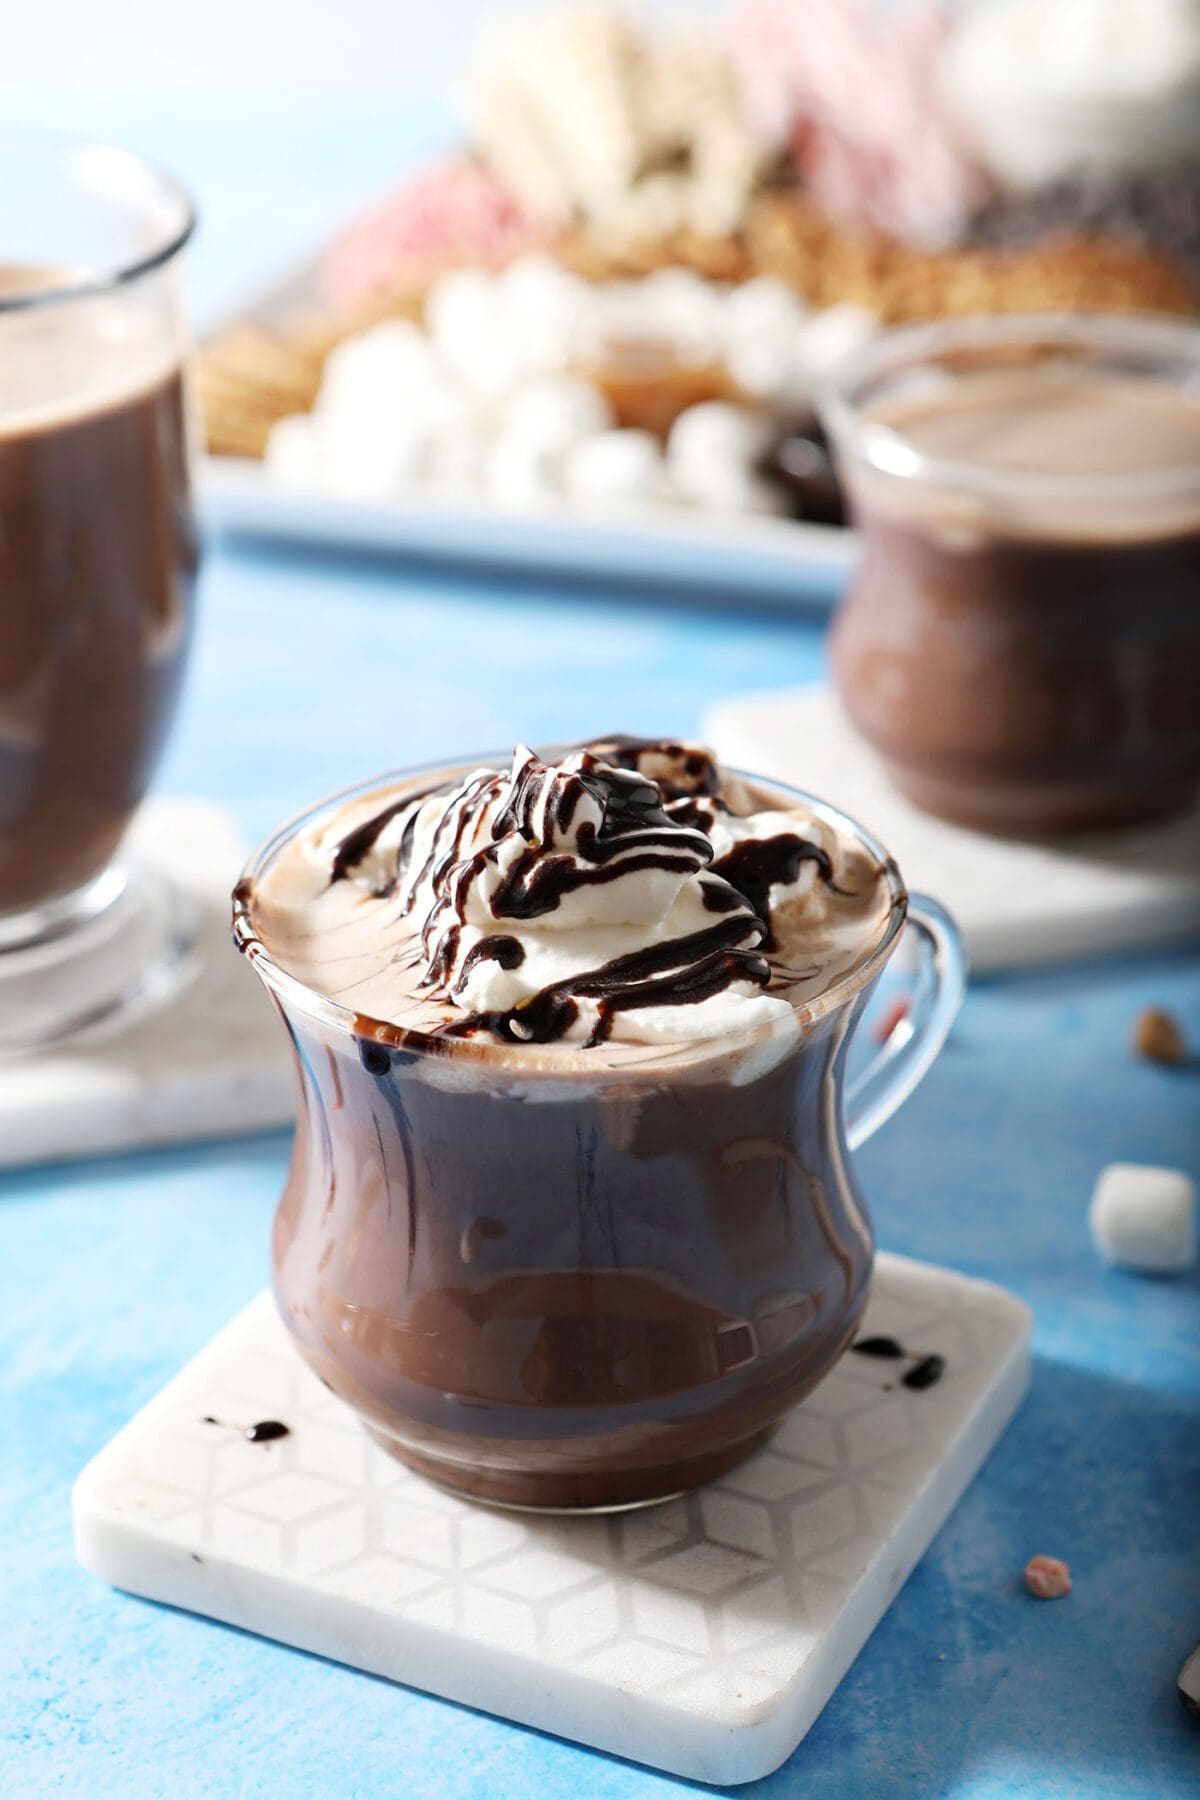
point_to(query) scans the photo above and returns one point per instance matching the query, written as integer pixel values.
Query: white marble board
(1019, 904)
(702, 1636)
(212, 1060)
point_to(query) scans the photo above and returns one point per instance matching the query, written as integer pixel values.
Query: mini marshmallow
(292, 457)
(543, 306)
(389, 365)
(767, 371)
(764, 324)
(764, 307)
(625, 467)
(714, 431)
(517, 475)
(552, 414)
(1144, 1218)
(470, 334)
(712, 452)
(830, 336)
(383, 459)
(728, 487)
(686, 308)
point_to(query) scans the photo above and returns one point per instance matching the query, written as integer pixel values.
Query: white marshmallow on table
(292, 457)
(623, 467)
(1144, 1218)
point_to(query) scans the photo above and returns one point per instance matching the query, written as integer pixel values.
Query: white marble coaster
(1018, 904)
(211, 1060)
(702, 1636)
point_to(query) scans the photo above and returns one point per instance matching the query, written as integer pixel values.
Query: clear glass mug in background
(1022, 646)
(583, 1291)
(98, 556)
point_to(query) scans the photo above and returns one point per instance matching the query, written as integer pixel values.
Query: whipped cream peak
(626, 889)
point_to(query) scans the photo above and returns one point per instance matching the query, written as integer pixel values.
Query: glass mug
(98, 557)
(1021, 644)
(584, 1291)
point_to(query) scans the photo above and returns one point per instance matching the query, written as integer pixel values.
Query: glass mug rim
(842, 396)
(95, 165)
(314, 1005)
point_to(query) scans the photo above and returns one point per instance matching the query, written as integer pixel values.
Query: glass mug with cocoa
(1021, 643)
(571, 1221)
(98, 554)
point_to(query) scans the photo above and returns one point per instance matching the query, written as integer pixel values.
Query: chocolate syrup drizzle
(518, 835)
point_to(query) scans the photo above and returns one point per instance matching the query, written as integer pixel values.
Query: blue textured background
(310, 672)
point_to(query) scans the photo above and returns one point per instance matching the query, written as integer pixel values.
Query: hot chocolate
(570, 1220)
(97, 559)
(1022, 643)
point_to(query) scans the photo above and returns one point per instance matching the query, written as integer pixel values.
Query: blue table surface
(311, 671)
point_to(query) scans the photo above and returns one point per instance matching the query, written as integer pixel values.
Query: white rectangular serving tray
(702, 1636)
(779, 561)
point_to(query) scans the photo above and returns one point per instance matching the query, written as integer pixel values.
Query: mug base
(1041, 810)
(120, 947)
(558, 1491)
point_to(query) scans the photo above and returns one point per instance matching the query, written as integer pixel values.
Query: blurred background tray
(779, 561)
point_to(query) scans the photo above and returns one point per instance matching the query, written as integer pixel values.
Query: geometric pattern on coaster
(701, 1636)
(212, 1060)
(1018, 904)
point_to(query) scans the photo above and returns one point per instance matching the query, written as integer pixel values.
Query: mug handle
(913, 1042)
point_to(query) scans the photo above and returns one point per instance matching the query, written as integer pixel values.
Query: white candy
(728, 487)
(389, 365)
(764, 327)
(469, 329)
(551, 414)
(1144, 1218)
(685, 308)
(833, 334)
(625, 467)
(764, 307)
(517, 475)
(384, 458)
(543, 306)
(715, 431)
(292, 457)
(766, 372)
(711, 455)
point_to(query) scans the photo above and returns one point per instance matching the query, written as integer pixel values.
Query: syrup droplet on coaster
(883, 1347)
(266, 1430)
(926, 1371)
(925, 1374)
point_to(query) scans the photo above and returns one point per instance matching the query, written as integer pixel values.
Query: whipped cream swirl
(614, 889)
